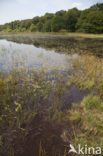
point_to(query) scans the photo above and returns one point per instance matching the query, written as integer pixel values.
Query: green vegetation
(24, 99)
(37, 116)
(86, 118)
(93, 102)
(87, 123)
(74, 20)
(87, 73)
(33, 106)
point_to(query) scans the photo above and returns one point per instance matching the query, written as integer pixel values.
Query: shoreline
(56, 34)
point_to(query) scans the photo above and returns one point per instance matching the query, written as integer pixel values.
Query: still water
(19, 55)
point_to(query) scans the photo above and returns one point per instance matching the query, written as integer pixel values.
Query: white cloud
(23, 1)
(76, 4)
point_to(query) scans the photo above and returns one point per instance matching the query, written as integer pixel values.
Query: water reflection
(15, 55)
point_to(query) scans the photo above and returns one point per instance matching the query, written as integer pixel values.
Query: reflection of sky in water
(23, 55)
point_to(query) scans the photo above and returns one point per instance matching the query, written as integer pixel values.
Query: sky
(11, 10)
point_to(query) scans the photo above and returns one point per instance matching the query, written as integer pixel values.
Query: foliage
(47, 26)
(71, 19)
(91, 21)
(88, 21)
(58, 23)
(33, 27)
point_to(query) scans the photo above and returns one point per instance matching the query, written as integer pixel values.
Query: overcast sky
(11, 10)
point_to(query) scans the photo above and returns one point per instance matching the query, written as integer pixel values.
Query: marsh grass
(28, 96)
(88, 123)
(22, 98)
(87, 117)
(87, 73)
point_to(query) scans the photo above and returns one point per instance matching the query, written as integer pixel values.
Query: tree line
(88, 21)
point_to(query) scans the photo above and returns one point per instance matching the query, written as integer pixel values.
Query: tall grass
(23, 97)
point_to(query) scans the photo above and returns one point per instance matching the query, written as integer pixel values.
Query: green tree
(60, 13)
(48, 16)
(98, 6)
(90, 21)
(71, 17)
(47, 26)
(36, 20)
(58, 23)
(40, 26)
(33, 27)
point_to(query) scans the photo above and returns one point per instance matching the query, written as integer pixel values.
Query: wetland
(51, 93)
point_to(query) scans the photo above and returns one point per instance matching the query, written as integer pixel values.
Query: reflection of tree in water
(61, 43)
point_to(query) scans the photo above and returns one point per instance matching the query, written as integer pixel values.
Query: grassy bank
(62, 34)
(87, 116)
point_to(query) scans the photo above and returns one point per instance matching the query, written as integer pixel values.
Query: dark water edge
(61, 43)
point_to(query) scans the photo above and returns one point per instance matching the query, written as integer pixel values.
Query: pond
(59, 43)
(19, 55)
(35, 90)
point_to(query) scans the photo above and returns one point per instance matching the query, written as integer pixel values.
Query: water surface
(19, 55)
